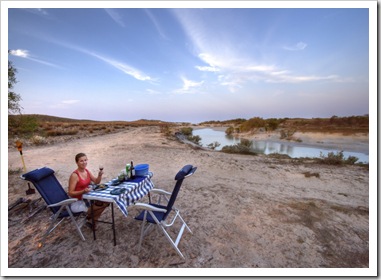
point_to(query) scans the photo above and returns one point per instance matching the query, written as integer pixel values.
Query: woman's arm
(98, 179)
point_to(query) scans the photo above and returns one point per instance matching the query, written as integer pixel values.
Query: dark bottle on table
(132, 170)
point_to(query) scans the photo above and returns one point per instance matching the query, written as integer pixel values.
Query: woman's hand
(87, 190)
(100, 173)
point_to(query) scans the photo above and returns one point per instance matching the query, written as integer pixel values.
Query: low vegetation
(288, 126)
(188, 133)
(41, 129)
(337, 159)
(244, 147)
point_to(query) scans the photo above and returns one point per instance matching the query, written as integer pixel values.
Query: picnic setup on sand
(125, 191)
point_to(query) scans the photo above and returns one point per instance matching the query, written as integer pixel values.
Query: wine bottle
(128, 172)
(132, 170)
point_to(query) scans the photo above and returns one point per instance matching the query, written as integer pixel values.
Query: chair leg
(162, 228)
(51, 227)
(184, 223)
(142, 231)
(173, 244)
(75, 222)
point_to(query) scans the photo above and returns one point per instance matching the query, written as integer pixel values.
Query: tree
(13, 98)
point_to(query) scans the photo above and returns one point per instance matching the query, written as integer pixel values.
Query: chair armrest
(63, 202)
(148, 207)
(159, 191)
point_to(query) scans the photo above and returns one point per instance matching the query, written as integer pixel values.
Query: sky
(190, 64)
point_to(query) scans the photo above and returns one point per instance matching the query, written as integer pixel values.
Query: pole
(19, 148)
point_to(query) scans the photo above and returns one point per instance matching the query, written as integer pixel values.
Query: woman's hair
(78, 156)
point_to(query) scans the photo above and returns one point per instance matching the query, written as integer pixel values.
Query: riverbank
(356, 142)
(244, 211)
(299, 144)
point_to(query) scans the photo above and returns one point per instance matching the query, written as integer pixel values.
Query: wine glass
(101, 167)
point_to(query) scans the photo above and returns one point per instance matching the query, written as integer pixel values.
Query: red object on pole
(19, 148)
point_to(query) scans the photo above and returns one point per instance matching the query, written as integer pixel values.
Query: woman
(79, 182)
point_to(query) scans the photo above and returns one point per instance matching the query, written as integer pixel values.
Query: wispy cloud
(297, 47)
(37, 11)
(188, 86)
(70, 101)
(156, 24)
(207, 68)
(235, 73)
(122, 66)
(20, 53)
(233, 69)
(300, 79)
(125, 68)
(116, 16)
(27, 55)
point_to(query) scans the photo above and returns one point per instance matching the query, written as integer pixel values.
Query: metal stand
(31, 203)
(105, 222)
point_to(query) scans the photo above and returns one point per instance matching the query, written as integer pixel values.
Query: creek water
(294, 150)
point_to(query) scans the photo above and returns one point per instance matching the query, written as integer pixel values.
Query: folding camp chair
(55, 197)
(157, 214)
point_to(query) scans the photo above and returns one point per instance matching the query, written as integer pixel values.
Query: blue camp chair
(56, 199)
(156, 214)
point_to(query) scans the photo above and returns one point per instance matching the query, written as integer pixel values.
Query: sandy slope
(244, 211)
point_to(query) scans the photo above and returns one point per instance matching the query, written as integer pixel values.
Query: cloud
(235, 72)
(125, 68)
(297, 47)
(37, 11)
(41, 11)
(26, 54)
(188, 85)
(233, 68)
(115, 16)
(156, 23)
(300, 79)
(20, 53)
(208, 68)
(71, 101)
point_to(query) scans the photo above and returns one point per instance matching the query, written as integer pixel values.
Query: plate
(100, 187)
(115, 182)
(118, 191)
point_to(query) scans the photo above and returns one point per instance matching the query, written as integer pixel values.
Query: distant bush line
(350, 124)
(48, 126)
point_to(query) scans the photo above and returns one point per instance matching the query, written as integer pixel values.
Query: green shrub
(286, 134)
(187, 131)
(272, 124)
(244, 147)
(194, 138)
(337, 159)
(229, 130)
(351, 160)
(165, 129)
(252, 123)
(23, 125)
(214, 145)
(58, 132)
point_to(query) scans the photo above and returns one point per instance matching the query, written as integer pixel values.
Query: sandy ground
(244, 211)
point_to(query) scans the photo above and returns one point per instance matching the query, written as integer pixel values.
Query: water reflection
(294, 150)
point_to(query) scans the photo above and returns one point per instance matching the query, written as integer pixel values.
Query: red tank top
(82, 183)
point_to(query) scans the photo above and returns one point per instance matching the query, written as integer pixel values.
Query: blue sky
(191, 64)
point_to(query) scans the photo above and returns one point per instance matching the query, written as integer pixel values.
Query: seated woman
(79, 182)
